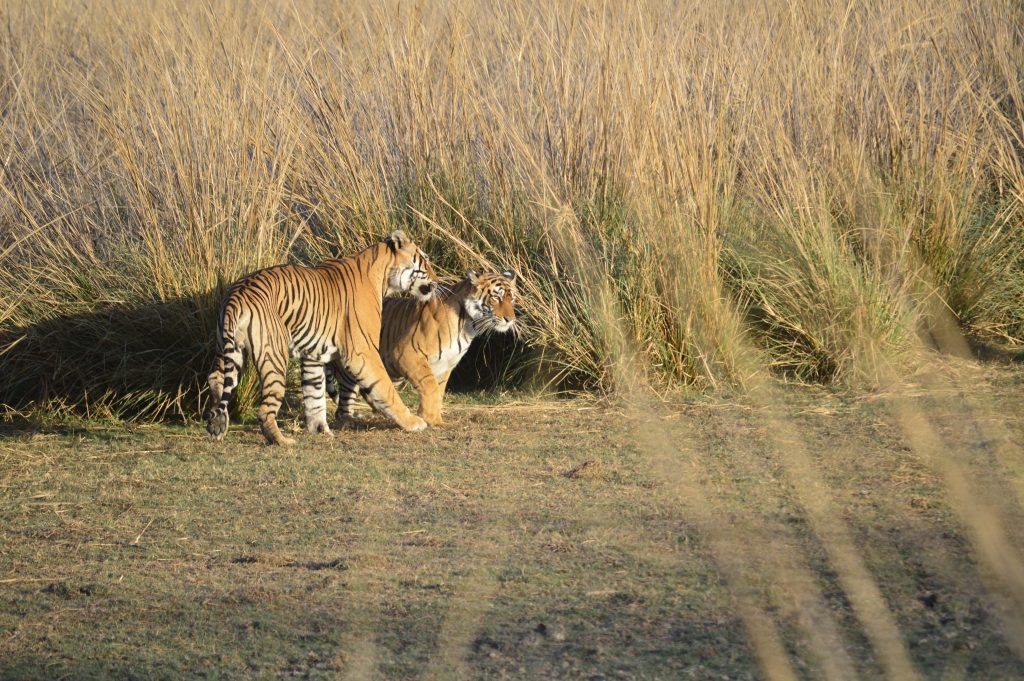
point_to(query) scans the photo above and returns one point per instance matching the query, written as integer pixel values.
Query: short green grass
(526, 539)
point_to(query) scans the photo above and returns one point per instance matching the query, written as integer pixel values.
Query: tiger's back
(308, 305)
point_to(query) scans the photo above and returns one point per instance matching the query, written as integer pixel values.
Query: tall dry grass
(822, 182)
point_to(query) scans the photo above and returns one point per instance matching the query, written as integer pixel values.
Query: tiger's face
(491, 304)
(411, 271)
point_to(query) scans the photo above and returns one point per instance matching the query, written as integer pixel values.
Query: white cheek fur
(397, 281)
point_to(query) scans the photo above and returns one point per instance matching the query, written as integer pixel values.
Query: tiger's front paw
(415, 425)
(274, 435)
(344, 422)
(431, 416)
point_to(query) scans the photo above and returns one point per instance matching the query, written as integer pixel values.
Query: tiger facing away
(328, 313)
(422, 341)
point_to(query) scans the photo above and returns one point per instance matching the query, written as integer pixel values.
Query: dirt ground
(806, 534)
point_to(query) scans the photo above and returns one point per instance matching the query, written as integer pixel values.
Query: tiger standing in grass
(422, 341)
(327, 313)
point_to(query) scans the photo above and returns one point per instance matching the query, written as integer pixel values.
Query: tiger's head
(491, 301)
(411, 271)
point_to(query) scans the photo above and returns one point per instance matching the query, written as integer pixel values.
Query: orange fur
(423, 341)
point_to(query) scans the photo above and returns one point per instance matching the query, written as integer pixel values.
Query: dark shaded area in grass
(493, 360)
(152, 361)
(146, 359)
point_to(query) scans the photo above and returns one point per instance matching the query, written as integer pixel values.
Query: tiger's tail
(227, 366)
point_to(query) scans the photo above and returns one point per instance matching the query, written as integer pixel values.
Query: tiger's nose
(427, 289)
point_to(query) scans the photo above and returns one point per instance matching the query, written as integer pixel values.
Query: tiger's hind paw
(217, 426)
(319, 427)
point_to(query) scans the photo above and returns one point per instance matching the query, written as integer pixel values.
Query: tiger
(422, 341)
(330, 313)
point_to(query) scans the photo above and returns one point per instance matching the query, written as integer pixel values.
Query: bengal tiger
(422, 341)
(328, 313)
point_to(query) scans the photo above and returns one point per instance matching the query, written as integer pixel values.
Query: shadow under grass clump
(987, 351)
(151, 361)
(493, 362)
(146, 360)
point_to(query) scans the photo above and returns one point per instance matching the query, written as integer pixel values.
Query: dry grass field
(761, 243)
(811, 189)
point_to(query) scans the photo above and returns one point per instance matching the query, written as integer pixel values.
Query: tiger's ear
(396, 240)
(472, 276)
(510, 275)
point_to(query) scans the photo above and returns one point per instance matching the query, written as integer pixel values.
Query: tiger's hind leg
(272, 362)
(314, 395)
(222, 380)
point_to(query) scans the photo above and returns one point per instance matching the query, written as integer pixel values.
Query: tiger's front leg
(369, 372)
(431, 393)
(442, 385)
(314, 396)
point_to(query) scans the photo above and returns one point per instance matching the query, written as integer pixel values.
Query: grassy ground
(527, 539)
